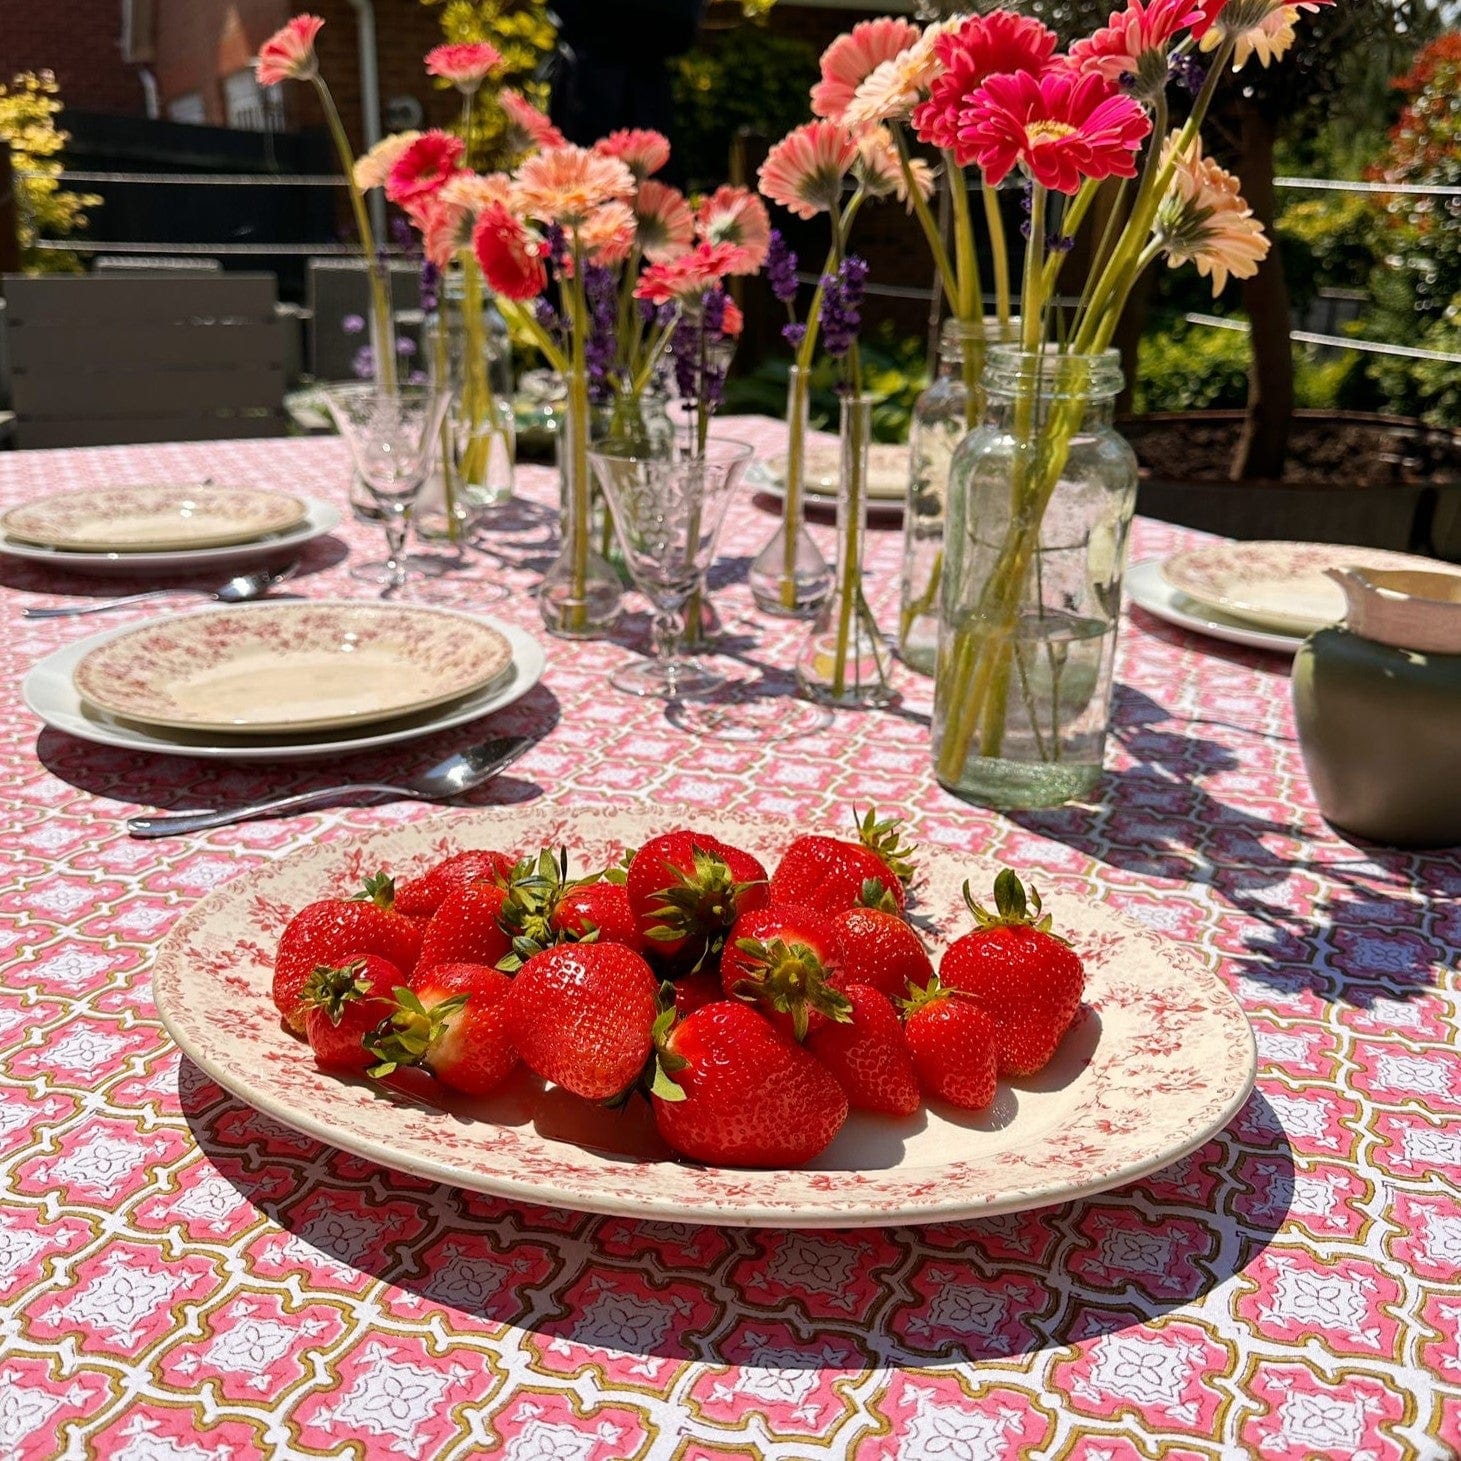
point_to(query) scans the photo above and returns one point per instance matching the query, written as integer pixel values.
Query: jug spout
(1357, 590)
(1406, 609)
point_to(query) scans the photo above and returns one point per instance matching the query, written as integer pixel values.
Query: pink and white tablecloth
(182, 1279)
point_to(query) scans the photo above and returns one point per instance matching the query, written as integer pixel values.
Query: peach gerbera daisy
(607, 234)
(804, 171)
(688, 277)
(847, 62)
(474, 191)
(374, 167)
(880, 172)
(527, 127)
(1262, 28)
(642, 151)
(565, 184)
(666, 224)
(736, 216)
(1136, 43)
(1203, 219)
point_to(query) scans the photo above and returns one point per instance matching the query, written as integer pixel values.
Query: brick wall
(199, 42)
(80, 40)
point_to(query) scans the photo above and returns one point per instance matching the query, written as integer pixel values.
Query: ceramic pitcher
(1378, 705)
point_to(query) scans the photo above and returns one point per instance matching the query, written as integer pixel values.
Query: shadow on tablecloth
(1198, 800)
(575, 1285)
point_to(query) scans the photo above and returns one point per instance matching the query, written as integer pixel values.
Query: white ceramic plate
(1278, 585)
(292, 667)
(1161, 1058)
(155, 517)
(320, 518)
(51, 694)
(1145, 586)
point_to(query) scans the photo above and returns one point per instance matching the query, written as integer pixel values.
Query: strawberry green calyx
(663, 1062)
(932, 993)
(788, 976)
(534, 889)
(874, 894)
(405, 1038)
(380, 889)
(884, 837)
(700, 903)
(331, 990)
(1013, 906)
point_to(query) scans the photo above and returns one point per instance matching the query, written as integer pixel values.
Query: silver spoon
(457, 774)
(236, 591)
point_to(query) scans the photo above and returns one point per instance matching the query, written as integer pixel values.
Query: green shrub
(1191, 368)
(1329, 241)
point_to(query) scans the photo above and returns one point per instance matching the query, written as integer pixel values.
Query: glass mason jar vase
(790, 578)
(943, 416)
(845, 659)
(1040, 500)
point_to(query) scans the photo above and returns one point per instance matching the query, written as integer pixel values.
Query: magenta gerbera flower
(1062, 128)
(289, 54)
(1136, 43)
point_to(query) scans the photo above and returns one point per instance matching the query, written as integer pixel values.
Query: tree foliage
(29, 107)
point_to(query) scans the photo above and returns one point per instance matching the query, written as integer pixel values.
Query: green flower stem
(853, 500)
(994, 221)
(442, 366)
(382, 324)
(1074, 216)
(926, 219)
(478, 404)
(578, 504)
(971, 293)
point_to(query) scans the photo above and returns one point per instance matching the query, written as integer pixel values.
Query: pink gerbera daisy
(474, 191)
(1063, 128)
(982, 46)
(689, 276)
(848, 60)
(565, 184)
(804, 171)
(289, 54)
(372, 169)
(424, 166)
(466, 66)
(510, 254)
(446, 229)
(879, 170)
(527, 127)
(736, 216)
(1136, 43)
(642, 151)
(666, 224)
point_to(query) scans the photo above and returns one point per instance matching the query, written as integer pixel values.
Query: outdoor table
(183, 1278)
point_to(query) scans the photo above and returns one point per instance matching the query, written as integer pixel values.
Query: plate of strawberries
(715, 1018)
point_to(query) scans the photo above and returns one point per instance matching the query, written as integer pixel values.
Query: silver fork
(238, 590)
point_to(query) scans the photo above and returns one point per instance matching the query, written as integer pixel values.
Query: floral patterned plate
(887, 472)
(1281, 586)
(270, 668)
(152, 518)
(1160, 1058)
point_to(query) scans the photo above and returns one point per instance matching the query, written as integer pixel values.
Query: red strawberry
(421, 897)
(952, 1042)
(686, 890)
(732, 1090)
(1026, 978)
(343, 1006)
(833, 875)
(694, 991)
(868, 1054)
(581, 1016)
(598, 910)
(878, 948)
(334, 931)
(466, 928)
(782, 959)
(453, 1021)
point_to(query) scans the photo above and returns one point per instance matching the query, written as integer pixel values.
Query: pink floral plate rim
(270, 658)
(1161, 1059)
(1279, 585)
(153, 517)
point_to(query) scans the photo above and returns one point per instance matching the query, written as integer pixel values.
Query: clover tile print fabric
(183, 1278)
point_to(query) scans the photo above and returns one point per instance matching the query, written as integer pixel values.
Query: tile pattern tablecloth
(182, 1279)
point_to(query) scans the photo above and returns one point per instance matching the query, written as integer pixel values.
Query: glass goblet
(392, 436)
(667, 513)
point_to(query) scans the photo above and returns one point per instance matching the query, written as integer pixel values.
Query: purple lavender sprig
(781, 268)
(600, 346)
(842, 295)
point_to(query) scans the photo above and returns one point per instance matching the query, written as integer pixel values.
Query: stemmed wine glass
(667, 512)
(392, 436)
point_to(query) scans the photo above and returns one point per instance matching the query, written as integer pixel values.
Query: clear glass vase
(790, 578)
(943, 416)
(1040, 500)
(580, 596)
(845, 659)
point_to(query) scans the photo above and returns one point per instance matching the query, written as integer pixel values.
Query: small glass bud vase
(580, 596)
(790, 578)
(943, 416)
(845, 659)
(1040, 501)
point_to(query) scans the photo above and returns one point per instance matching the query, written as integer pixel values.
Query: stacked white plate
(269, 680)
(159, 528)
(1267, 595)
(887, 476)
